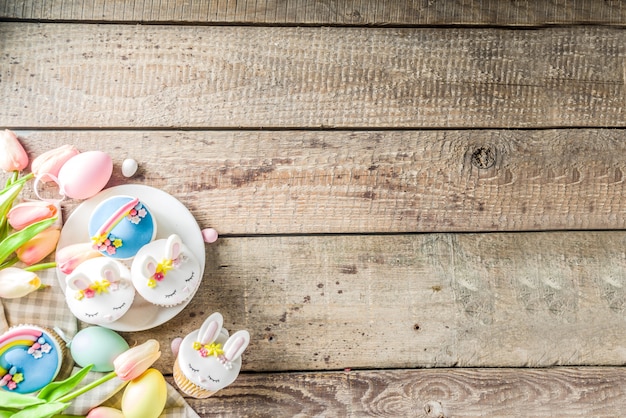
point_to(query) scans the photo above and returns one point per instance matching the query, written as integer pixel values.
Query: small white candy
(129, 167)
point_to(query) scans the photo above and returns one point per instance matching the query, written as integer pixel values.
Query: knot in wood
(483, 157)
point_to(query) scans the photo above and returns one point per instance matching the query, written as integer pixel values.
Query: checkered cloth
(46, 308)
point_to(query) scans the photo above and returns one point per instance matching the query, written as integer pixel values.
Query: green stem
(68, 416)
(86, 388)
(41, 266)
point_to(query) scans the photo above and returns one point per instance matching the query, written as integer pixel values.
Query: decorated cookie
(30, 358)
(208, 360)
(99, 291)
(165, 272)
(120, 225)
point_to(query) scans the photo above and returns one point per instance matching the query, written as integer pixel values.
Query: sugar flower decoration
(96, 288)
(161, 271)
(206, 350)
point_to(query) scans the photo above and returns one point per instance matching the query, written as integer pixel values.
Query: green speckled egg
(98, 346)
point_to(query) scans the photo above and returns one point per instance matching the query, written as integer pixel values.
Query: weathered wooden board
(566, 392)
(286, 182)
(312, 12)
(232, 77)
(404, 301)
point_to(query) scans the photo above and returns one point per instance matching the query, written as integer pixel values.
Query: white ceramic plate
(171, 217)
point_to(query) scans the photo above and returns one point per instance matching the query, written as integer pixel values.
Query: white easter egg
(129, 167)
(85, 174)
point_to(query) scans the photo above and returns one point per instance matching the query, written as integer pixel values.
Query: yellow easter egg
(145, 396)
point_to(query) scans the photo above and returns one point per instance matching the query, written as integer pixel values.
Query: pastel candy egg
(98, 346)
(85, 174)
(145, 396)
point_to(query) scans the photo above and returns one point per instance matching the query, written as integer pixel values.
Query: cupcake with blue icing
(120, 225)
(30, 358)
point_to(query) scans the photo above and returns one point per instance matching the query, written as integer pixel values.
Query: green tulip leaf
(7, 197)
(44, 410)
(12, 400)
(19, 238)
(55, 390)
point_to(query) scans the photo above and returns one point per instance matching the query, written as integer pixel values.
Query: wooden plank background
(293, 182)
(420, 203)
(154, 76)
(325, 12)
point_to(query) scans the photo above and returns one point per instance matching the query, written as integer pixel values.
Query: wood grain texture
(292, 182)
(562, 392)
(260, 77)
(405, 301)
(324, 12)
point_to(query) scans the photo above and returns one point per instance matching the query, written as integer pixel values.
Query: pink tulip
(133, 362)
(38, 247)
(50, 162)
(105, 412)
(15, 282)
(27, 213)
(70, 257)
(13, 157)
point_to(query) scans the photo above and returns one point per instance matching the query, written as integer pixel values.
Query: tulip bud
(38, 247)
(70, 257)
(134, 361)
(105, 412)
(13, 157)
(50, 162)
(15, 282)
(27, 213)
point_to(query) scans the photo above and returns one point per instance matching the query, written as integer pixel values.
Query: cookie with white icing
(165, 272)
(99, 291)
(208, 359)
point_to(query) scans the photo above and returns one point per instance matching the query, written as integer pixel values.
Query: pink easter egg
(85, 174)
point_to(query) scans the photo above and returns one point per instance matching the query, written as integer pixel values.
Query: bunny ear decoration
(211, 328)
(110, 271)
(236, 345)
(173, 247)
(78, 281)
(148, 266)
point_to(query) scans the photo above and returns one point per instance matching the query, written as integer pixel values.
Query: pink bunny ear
(148, 266)
(173, 247)
(110, 271)
(211, 328)
(236, 345)
(78, 281)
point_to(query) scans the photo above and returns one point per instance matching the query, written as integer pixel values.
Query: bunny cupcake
(99, 291)
(165, 272)
(208, 360)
